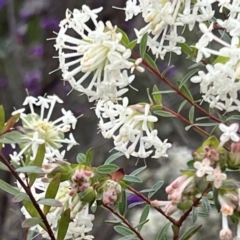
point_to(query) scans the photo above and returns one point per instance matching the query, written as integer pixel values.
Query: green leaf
(194, 214)
(233, 118)
(107, 169)
(137, 171)
(130, 178)
(157, 96)
(30, 222)
(163, 113)
(150, 62)
(81, 158)
(10, 123)
(206, 205)
(113, 157)
(144, 216)
(52, 190)
(2, 118)
(30, 169)
(162, 232)
(124, 40)
(155, 188)
(20, 197)
(143, 45)
(89, 157)
(182, 105)
(3, 167)
(128, 237)
(186, 48)
(9, 188)
(50, 202)
(191, 114)
(132, 44)
(190, 232)
(185, 91)
(122, 206)
(187, 77)
(32, 211)
(123, 230)
(37, 162)
(135, 204)
(12, 137)
(63, 224)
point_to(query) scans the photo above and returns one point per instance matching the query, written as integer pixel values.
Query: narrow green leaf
(30, 222)
(137, 171)
(107, 169)
(32, 211)
(37, 162)
(10, 123)
(191, 114)
(123, 230)
(63, 224)
(30, 169)
(144, 216)
(52, 190)
(132, 44)
(113, 157)
(167, 70)
(186, 48)
(3, 167)
(182, 105)
(233, 118)
(206, 205)
(194, 214)
(143, 45)
(162, 232)
(89, 157)
(157, 96)
(163, 113)
(135, 204)
(187, 77)
(151, 62)
(81, 158)
(2, 118)
(130, 178)
(186, 92)
(129, 237)
(50, 202)
(122, 206)
(12, 137)
(20, 197)
(155, 187)
(190, 232)
(124, 40)
(9, 188)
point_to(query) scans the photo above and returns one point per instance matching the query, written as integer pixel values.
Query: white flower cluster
(81, 222)
(39, 129)
(98, 51)
(164, 18)
(131, 128)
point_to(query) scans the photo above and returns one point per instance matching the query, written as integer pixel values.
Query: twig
(172, 220)
(124, 220)
(29, 193)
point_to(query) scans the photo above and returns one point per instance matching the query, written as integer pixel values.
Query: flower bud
(234, 156)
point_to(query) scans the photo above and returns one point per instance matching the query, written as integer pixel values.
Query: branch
(29, 193)
(124, 220)
(172, 220)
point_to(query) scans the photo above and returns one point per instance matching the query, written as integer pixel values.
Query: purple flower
(3, 81)
(50, 24)
(32, 82)
(36, 51)
(132, 198)
(2, 3)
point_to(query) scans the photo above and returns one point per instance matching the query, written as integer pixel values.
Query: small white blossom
(229, 132)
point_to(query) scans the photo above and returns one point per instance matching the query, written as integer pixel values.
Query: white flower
(131, 127)
(229, 132)
(217, 177)
(97, 52)
(41, 130)
(203, 167)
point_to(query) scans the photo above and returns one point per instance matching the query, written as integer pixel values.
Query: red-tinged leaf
(118, 175)
(10, 123)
